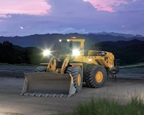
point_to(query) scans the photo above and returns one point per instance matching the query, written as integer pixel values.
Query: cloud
(134, 0)
(122, 26)
(106, 5)
(28, 7)
(3, 16)
(68, 16)
(68, 30)
(73, 30)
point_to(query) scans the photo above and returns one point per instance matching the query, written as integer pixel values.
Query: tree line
(13, 54)
(128, 54)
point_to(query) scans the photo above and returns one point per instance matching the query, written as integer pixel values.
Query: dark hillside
(129, 52)
(14, 54)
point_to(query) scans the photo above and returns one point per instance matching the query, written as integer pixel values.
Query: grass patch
(100, 107)
(135, 107)
(105, 107)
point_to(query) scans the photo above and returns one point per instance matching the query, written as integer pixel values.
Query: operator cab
(72, 46)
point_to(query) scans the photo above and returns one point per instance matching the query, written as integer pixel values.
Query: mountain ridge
(38, 40)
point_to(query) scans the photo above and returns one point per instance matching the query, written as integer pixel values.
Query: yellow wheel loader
(68, 68)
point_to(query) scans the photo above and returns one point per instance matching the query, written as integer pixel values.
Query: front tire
(95, 76)
(76, 73)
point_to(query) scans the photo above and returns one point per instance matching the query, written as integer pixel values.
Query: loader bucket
(48, 84)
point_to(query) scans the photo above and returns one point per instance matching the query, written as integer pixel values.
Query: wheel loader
(69, 67)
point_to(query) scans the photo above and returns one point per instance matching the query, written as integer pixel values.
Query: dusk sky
(28, 17)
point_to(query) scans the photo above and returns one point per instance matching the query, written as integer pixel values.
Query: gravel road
(11, 83)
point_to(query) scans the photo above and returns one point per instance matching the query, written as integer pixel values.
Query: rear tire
(76, 73)
(95, 76)
(41, 69)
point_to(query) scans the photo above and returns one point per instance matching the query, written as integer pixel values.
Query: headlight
(75, 52)
(68, 40)
(89, 59)
(46, 52)
(60, 40)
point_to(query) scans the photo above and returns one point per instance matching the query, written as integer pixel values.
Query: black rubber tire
(74, 71)
(90, 76)
(41, 69)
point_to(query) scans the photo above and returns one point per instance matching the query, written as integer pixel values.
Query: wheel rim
(99, 76)
(79, 80)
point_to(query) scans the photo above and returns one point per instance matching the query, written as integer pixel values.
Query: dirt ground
(12, 103)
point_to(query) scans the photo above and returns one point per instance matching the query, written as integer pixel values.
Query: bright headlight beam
(46, 52)
(75, 52)
(68, 40)
(89, 59)
(60, 40)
